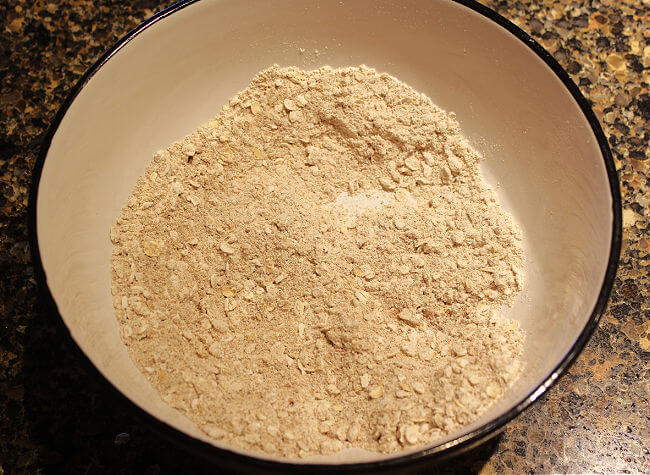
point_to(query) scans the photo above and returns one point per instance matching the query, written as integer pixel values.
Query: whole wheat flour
(318, 268)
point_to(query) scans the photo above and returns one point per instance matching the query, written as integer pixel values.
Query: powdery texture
(318, 268)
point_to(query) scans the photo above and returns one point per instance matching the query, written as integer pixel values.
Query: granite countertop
(56, 415)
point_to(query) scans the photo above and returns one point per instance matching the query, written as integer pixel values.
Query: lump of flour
(318, 268)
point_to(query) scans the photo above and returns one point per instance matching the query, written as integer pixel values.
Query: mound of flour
(318, 268)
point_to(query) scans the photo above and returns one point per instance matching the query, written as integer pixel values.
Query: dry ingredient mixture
(318, 268)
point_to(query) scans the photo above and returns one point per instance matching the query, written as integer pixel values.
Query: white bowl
(543, 146)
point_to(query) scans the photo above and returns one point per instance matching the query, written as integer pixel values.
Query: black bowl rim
(454, 447)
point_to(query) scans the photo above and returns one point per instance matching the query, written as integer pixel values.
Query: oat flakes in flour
(318, 267)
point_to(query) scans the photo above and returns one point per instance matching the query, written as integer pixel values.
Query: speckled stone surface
(56, 415)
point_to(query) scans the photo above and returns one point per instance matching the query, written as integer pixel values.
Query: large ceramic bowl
(544, 150)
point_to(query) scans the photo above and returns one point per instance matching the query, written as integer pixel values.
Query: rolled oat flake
(318, 268)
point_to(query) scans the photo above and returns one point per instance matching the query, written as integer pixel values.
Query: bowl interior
(541, 153)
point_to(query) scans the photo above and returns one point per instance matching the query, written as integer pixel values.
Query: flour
(361, 202)
(318, 268)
